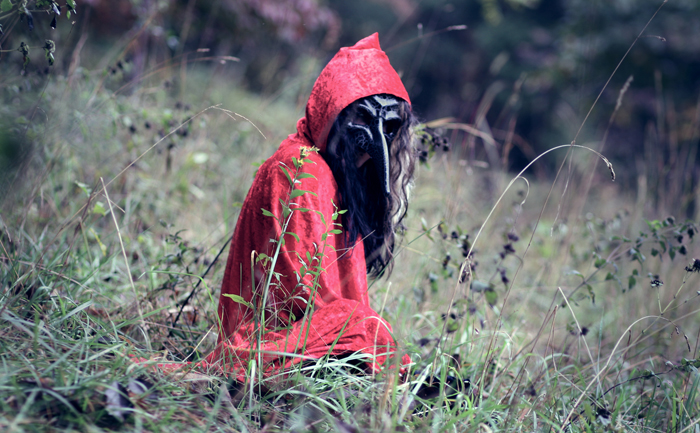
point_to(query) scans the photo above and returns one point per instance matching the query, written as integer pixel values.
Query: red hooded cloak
(341, 313)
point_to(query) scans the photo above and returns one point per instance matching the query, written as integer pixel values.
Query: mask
(373, 128)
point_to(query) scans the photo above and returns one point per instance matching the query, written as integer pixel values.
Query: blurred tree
(528, 67)
(543, 63)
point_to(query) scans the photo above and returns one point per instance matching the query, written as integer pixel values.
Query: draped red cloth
(342, 321)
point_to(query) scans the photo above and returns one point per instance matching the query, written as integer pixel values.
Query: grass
(127, 197)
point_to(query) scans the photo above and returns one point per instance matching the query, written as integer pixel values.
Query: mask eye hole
(362, 117)
(391, 127)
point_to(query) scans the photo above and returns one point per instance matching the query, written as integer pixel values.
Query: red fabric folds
(342, 320)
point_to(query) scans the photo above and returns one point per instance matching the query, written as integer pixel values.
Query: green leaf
(600, 263)
(238, 299)
(491, 296)
(268, 213)
(609, 277)
(433, 283)
(631, 282)
(286, 173)
(320, 214)
(653, 225)
(49, 49)
(5, 6)
(575, 272)
(590, 292)
(638, 256)
(452, 325)
(426, 230)
(99, 209)
(103, 248)
(71, 3)
(335, 231)
(306, 176)
(296, 236)
(672, 252)
(297, 193)
(85, 187)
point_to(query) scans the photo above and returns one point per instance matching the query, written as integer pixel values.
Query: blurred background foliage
(524, 71)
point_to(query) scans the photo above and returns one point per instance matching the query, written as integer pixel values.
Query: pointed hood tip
(353, 73)
(370, 42)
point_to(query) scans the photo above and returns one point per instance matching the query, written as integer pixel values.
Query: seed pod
(49, 49)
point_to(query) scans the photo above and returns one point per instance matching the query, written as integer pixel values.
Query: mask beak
(379, 152)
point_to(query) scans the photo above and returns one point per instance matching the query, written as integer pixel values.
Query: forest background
(128, 142)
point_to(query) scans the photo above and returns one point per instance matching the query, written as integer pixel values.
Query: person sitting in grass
(302, 294)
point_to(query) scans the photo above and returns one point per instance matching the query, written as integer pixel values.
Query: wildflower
(423, 156)
(504, 277)
(694, 266)
(446, 261)
(656, 283)
(464, 275)
(445, 145)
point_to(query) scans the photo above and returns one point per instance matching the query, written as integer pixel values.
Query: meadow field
(535, 300)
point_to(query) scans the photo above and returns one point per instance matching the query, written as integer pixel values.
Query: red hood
(340, 291)
(355, 72)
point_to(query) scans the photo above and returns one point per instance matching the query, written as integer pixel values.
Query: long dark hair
(369, 213)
